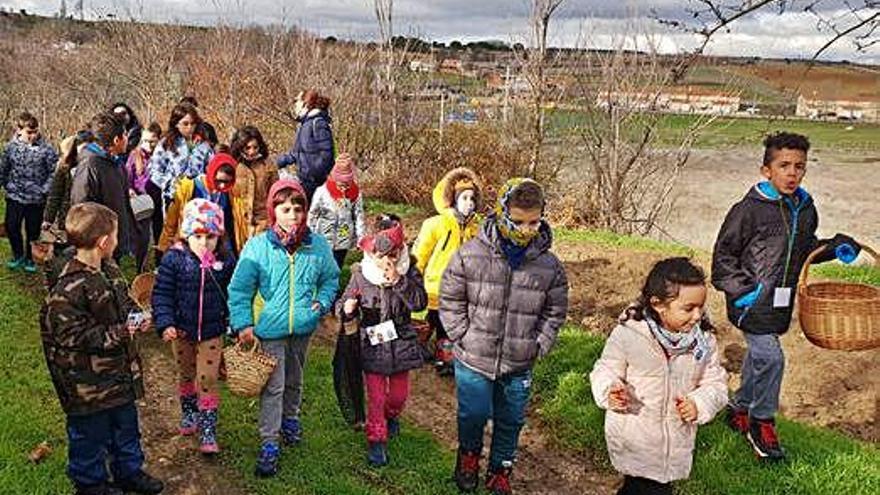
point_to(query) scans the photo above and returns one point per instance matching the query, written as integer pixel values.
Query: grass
(819, 461)
(727, 132)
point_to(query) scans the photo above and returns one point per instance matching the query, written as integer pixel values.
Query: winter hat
(201, 216)
(217, 162)
(279, 186)
(506, 227)
(387, 236)
(344, 172)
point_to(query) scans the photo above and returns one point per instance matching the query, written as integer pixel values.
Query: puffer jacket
(168, 168)
(288, 283)
(651, 441)
(188, 189)
(90, 355)
(378, 304)
(340, 221)
(312, 151)
(58, 201)
(501, 319)
(190, 298)
(752, 248)
(440, 237)
(252, 184)
(26, 170)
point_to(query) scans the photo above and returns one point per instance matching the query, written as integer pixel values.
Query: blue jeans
(93, 437)
(503, 400)
(762, 371)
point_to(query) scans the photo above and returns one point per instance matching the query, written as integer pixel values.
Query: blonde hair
(86, 223)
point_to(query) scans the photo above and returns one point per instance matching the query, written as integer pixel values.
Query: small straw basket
(247, 371)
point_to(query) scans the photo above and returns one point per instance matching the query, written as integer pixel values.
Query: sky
(592, 23)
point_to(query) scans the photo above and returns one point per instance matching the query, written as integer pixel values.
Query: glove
(748, 300)
(846, 249)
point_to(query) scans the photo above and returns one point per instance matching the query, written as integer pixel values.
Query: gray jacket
(378, 304)
(500, 319)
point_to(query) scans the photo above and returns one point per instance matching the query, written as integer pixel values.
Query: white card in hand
(381, 333)
(782, 297)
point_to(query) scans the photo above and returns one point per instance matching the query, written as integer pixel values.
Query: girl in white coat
(659, 377)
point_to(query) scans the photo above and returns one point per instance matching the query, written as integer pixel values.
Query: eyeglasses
(222, 182)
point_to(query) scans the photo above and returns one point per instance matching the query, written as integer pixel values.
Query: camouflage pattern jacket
(89, 352)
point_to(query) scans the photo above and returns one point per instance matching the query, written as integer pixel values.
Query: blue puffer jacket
(289, 285)
(182, 286)
(26, 170)
(312, 151)
(167, 168)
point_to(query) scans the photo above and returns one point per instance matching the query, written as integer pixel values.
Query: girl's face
(251, 150)
(187, 126)
(288, 215)
(223, 181)
(466, 202)
(149, 141)
(682, 312)
(202, 243)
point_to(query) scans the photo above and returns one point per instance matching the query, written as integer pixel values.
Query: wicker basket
(42, 252)
(247, 371)
(141, 290)
(839, 315)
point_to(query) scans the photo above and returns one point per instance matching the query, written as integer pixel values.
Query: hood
(764, 191)
(284, 184)
(444, 192)
(217, 161)
(541, 244)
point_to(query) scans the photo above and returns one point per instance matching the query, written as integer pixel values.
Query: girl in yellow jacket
(216, 185)
(457, 199)
(659, 377)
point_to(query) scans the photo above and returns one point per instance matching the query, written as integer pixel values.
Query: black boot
(142, 484)
(100, 489)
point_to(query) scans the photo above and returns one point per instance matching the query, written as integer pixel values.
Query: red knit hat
(218, 161)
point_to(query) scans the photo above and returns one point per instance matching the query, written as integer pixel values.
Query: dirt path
(817, 381)
(171, 457)
(541, 469)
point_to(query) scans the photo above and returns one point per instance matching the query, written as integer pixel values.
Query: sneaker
(101, 489)
(267, 461)
(764, 440)
(377, 454)
(291, 431)
(393, 427)
(15, 264)
(467, 470)
(498, 482)
(29, 266)
(142, 484)
(738, 419)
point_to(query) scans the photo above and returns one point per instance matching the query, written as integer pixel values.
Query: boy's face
(29, 134)
(120, 143)
(786, 170)
(107, 244)
(526, 221)
(123, 114)
(288, 214)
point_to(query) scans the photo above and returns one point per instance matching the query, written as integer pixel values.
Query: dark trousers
(339, 255)
(633, 485)
(32, 217)
(436, 325)
(114, 434)
(158, 220)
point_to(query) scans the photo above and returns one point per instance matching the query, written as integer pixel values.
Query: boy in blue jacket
(760, 250)
(294, 272)
(26, 169)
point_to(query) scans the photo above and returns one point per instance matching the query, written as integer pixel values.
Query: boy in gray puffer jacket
(26, 174)
(503, 298)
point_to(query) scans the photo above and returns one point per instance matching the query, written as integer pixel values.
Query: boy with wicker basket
(760, 250)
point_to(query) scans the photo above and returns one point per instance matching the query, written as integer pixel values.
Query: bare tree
(858, 19)
(536, 73)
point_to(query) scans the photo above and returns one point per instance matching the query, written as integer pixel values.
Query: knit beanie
(201, 216)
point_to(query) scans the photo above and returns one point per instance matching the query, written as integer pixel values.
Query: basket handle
(805, 270)
(239, 344)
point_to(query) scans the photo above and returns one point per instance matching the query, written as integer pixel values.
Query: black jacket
(753, 247)
(99, 180)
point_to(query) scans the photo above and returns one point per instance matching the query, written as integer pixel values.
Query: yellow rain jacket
(174, 216)
(441, 235)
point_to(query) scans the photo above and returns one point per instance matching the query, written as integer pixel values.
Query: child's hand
(169, 334)
(618, 398)
(146, 323)
(350, 306)
(246, 336)
(687, 409)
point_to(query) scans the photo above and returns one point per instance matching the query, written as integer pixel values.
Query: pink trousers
(386, 396)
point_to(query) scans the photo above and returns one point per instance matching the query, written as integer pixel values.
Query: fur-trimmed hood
(444, 191)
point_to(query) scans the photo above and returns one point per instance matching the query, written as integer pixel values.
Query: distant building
(867, 109)
(689, 99)
(451, 66)
(422, 66)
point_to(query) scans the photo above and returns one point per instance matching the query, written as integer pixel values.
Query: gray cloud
(792, 34)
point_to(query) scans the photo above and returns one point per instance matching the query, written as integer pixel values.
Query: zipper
(448, 235)
(666, 398)
(201, 303)
(504, 319)
(291, 299)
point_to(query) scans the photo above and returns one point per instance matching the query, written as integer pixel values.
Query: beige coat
(651, 440)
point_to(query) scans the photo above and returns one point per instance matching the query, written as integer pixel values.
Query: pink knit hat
(344, 171)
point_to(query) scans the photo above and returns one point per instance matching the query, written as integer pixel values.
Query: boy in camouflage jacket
(87, 342)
